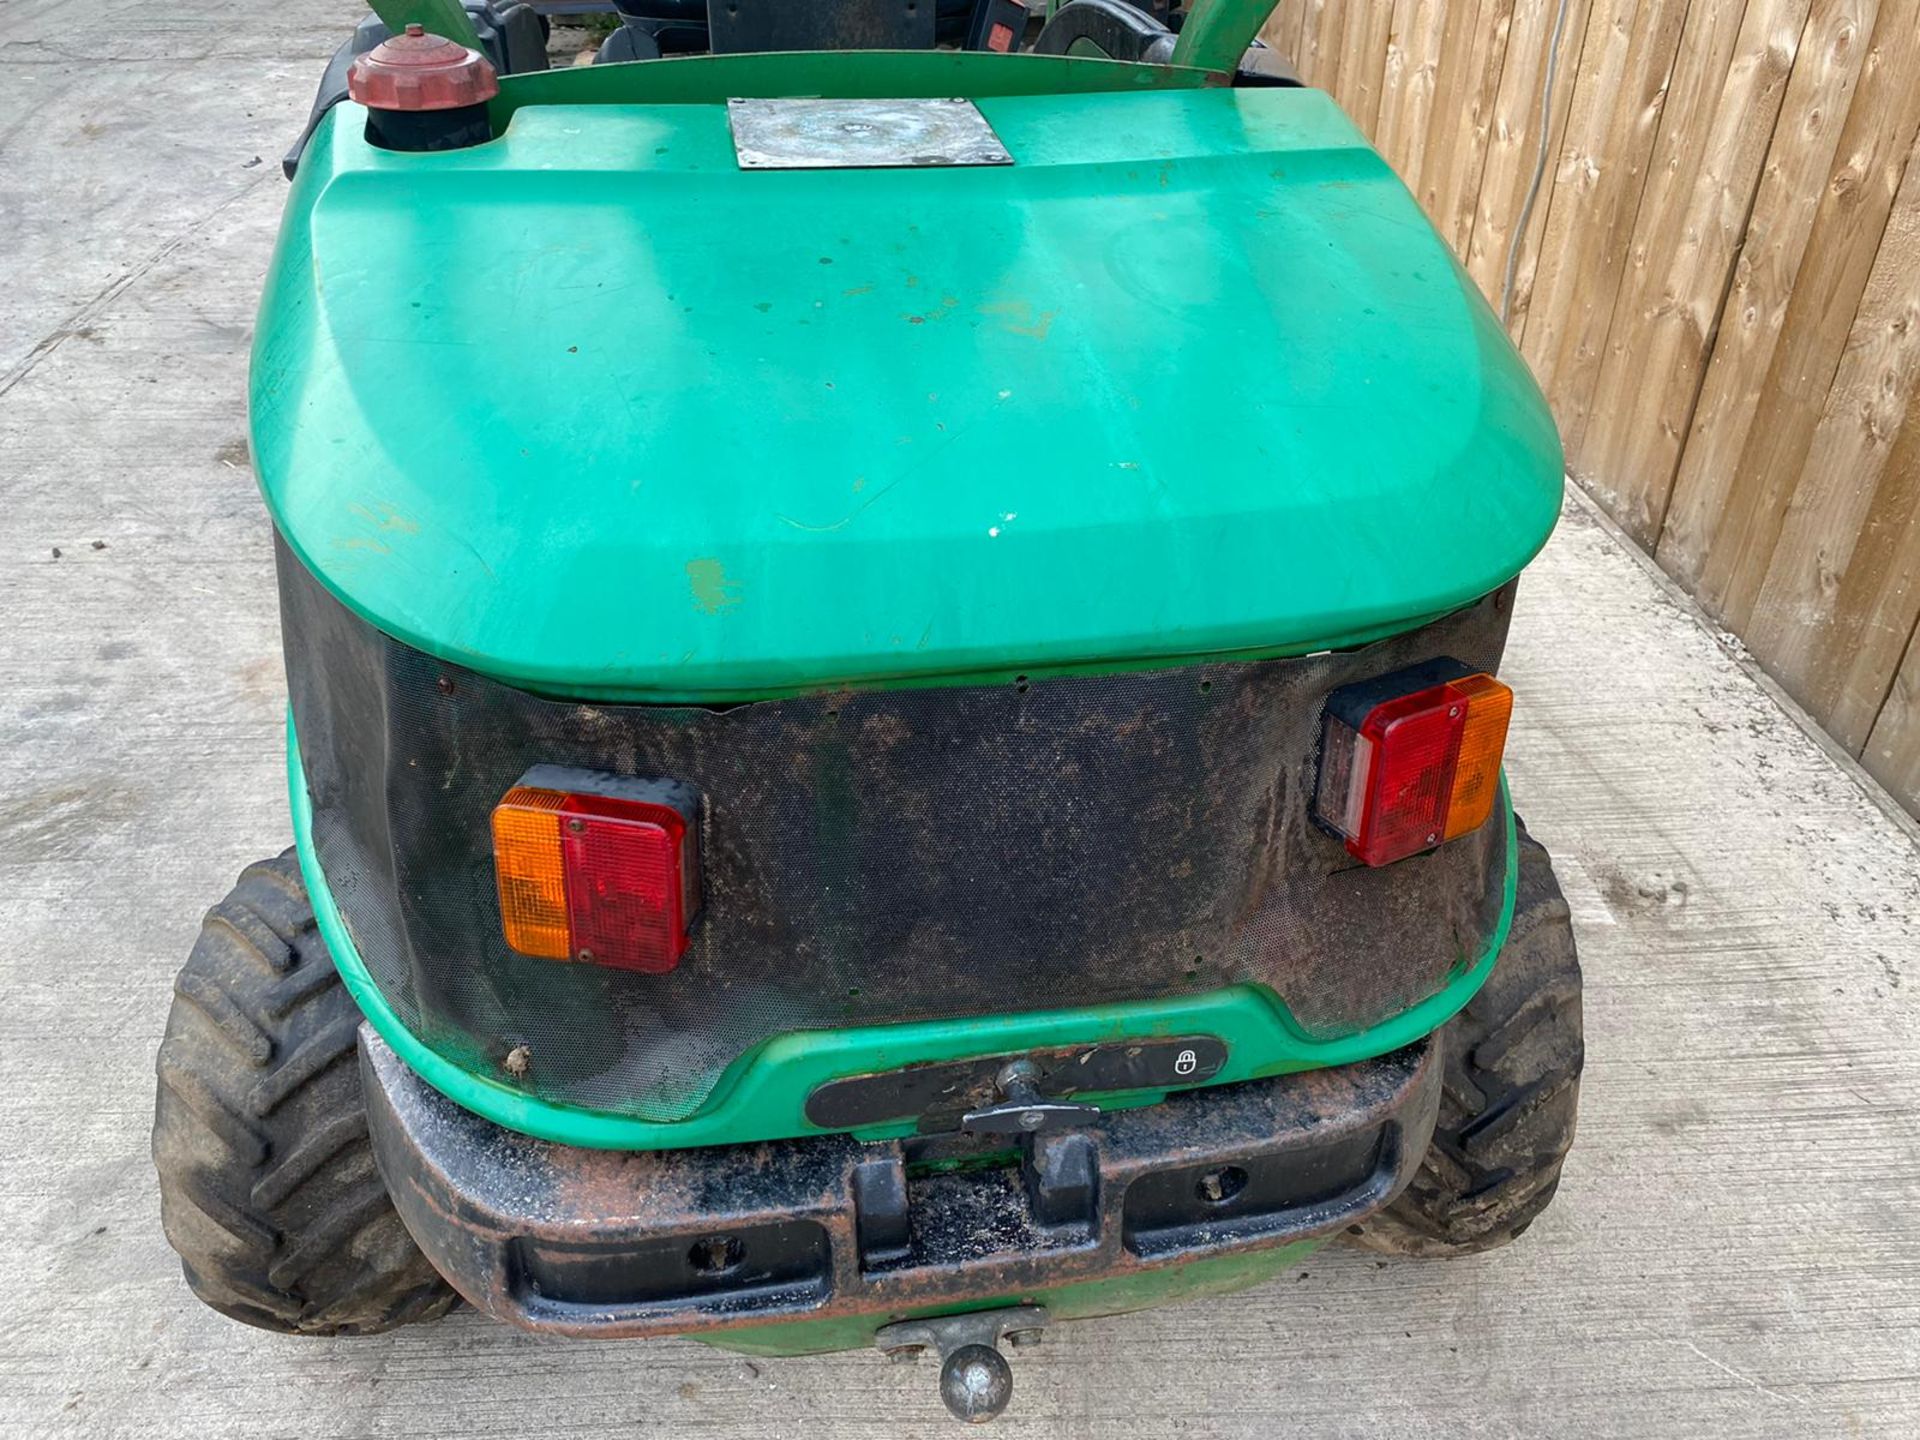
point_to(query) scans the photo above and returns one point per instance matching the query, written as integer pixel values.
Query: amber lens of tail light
(532, 876)
(1483, 741)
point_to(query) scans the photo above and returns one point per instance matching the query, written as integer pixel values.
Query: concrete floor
(1736, 1249)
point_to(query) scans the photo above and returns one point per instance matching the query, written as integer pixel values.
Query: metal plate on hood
(861, 134)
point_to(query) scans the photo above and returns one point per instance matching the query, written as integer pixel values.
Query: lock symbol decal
(1185, 1063)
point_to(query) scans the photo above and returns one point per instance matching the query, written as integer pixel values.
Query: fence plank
(1473, 53)
(1513, 145)
(1350, 64)
(1856, 203)
(1620, 92)
(1320, 26)
(1811, 627)
(1414, 53)
(1878, 605)
(1282, 30)
(1363, 61)
(1721, 109)
(1822, 206)
(1892, 754)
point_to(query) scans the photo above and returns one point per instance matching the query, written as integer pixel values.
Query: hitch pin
(1022, 1109)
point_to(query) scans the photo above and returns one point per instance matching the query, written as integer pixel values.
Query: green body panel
(592, 410)
(1217, 32)
(851, 74)
(763, 1093)
(1191, 1280)
(437, 17)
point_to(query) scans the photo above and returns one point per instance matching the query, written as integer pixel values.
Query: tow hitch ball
(975, 1380)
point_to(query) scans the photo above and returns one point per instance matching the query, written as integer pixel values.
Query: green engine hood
(590, 409)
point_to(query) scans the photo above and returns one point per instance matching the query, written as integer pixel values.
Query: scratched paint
(1018, 317)
(386, 518)
(712, 590)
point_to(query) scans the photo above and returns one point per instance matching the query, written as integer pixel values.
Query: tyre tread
(1510, 1093)
(268, 1188)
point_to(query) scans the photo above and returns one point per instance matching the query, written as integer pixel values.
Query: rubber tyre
(268, 1188)
(1513, 1060)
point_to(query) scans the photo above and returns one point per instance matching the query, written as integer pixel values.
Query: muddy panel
(878, 857)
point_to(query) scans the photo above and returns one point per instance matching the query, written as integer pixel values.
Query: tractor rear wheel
(268, 1188)
(1513, 1059)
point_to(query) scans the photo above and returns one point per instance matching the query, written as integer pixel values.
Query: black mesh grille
(877, 857)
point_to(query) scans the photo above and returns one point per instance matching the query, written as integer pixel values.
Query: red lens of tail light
(598, 868)
(1412, 759)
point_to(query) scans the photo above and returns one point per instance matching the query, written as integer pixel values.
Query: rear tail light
(598, 868)
(1411, 759)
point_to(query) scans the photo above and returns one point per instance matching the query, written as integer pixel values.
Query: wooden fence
(1718, 284)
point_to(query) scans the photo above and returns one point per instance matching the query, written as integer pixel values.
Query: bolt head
(1013, 1073)
(976, 1383)
(1031, 1120)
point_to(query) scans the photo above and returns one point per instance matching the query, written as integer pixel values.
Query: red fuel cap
(418, 71)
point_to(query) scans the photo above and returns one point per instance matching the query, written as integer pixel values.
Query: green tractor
(892, 611)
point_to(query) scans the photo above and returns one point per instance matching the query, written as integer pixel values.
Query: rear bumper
(609, 1244)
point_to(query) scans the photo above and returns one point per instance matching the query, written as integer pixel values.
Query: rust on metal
(604, 1243)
